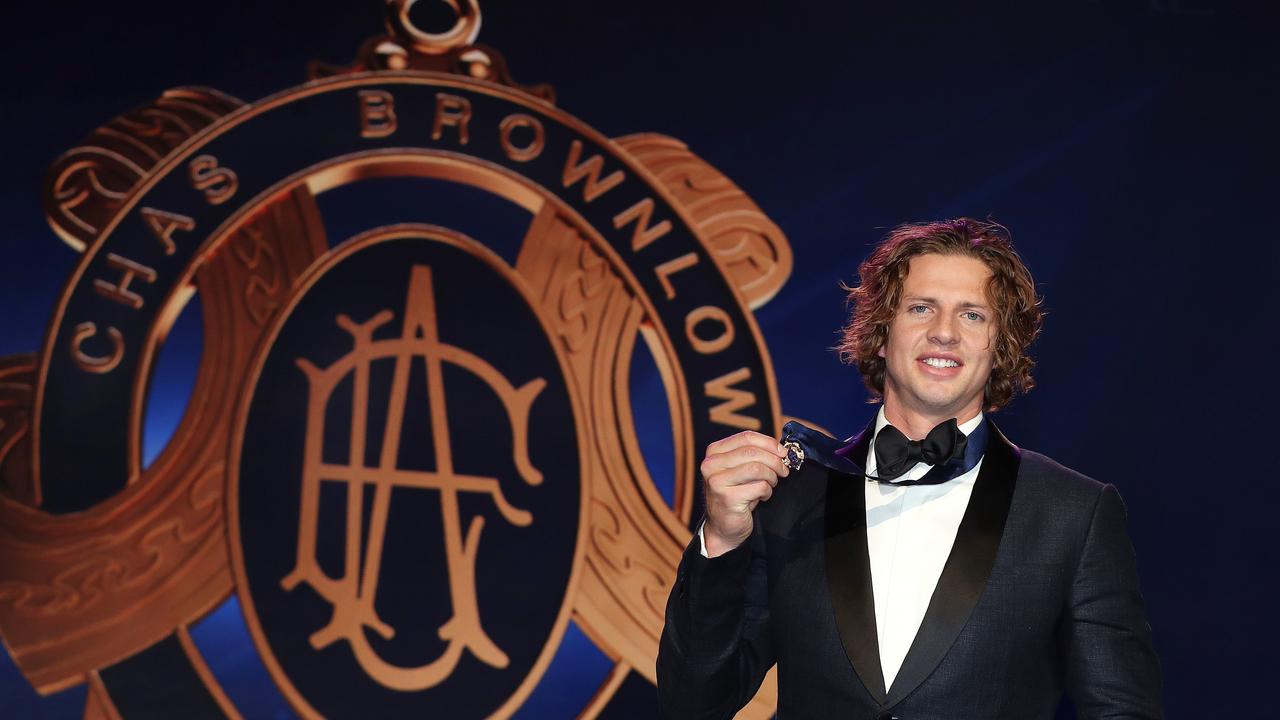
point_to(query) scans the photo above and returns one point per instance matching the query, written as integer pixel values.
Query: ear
(880, 352)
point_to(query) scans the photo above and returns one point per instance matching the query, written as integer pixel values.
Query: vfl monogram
(353, 596)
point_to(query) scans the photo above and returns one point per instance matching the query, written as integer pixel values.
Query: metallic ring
(462, 34)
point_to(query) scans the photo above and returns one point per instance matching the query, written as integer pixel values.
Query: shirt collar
(966, 427)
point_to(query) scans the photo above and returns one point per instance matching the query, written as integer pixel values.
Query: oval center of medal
(407, 496)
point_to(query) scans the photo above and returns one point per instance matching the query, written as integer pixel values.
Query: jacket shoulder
(1048, 494)
(1039, 468)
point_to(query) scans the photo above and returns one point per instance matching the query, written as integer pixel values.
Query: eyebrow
(934, 301)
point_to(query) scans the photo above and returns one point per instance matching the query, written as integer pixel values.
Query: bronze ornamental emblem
(412, 451)
(455, 434)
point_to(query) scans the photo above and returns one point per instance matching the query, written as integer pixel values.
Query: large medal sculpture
(410, 453)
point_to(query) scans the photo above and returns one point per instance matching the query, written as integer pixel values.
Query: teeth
(941, 363)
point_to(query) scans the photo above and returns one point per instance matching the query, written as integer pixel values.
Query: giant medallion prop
(410, 451)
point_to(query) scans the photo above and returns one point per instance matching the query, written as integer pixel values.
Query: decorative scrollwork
(748, 245)
(87, 185)
(17, 383)
(80, 591)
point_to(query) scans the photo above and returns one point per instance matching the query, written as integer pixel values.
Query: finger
(739, 498)
(746, 437)
(742, 475)
(740, 456)
(755, 493)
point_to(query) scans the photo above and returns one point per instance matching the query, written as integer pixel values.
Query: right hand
(740, 472)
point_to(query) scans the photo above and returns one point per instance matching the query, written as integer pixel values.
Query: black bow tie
(895, 454)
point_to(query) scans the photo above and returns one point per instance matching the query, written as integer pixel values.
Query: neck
(915, 424)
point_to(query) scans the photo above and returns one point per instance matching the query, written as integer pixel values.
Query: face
(941, 339)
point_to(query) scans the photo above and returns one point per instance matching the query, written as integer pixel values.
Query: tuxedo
(1039, 595)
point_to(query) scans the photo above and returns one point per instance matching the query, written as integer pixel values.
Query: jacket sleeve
(1112, 671)
(715, 647)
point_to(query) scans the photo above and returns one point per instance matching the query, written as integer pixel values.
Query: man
(926, 568)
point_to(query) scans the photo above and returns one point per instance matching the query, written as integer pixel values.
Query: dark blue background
(1130, 147)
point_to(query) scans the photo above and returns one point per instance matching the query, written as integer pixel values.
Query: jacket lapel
(849, 570)
(965, 574)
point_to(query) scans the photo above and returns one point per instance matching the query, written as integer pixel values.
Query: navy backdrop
(1130, 147)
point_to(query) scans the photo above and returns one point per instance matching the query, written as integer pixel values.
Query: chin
(941, 404)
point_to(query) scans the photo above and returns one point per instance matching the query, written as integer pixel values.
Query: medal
(795, 455)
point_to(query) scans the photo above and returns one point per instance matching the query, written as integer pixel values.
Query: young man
(927, 568)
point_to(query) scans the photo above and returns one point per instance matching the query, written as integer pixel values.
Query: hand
(740, 472)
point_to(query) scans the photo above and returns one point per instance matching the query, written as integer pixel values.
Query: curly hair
(1011, 291)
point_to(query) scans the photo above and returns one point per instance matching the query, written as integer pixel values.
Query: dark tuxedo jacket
(1038, 596)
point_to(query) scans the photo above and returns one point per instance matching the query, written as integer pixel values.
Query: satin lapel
(968, 566)
(849, 571)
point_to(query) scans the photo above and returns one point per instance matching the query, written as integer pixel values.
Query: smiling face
(939, 353)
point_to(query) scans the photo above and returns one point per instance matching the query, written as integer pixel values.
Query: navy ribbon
(835, 454)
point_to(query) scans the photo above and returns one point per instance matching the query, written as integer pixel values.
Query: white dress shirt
(910, 531)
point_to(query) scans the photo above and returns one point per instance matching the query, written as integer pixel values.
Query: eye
(973, 316)
(917, 309)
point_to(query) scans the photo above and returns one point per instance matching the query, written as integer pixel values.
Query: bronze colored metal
(635, 541)
(751, 248)
(353, 597)
(98, 705)
(17, 382)
(407, 47)
(85, 186)
(82, 591)
(462, 34)
(354, 600)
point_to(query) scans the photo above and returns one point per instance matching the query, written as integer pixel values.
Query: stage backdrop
(361, 362)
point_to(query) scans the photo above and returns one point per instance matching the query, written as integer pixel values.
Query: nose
(943, 330)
